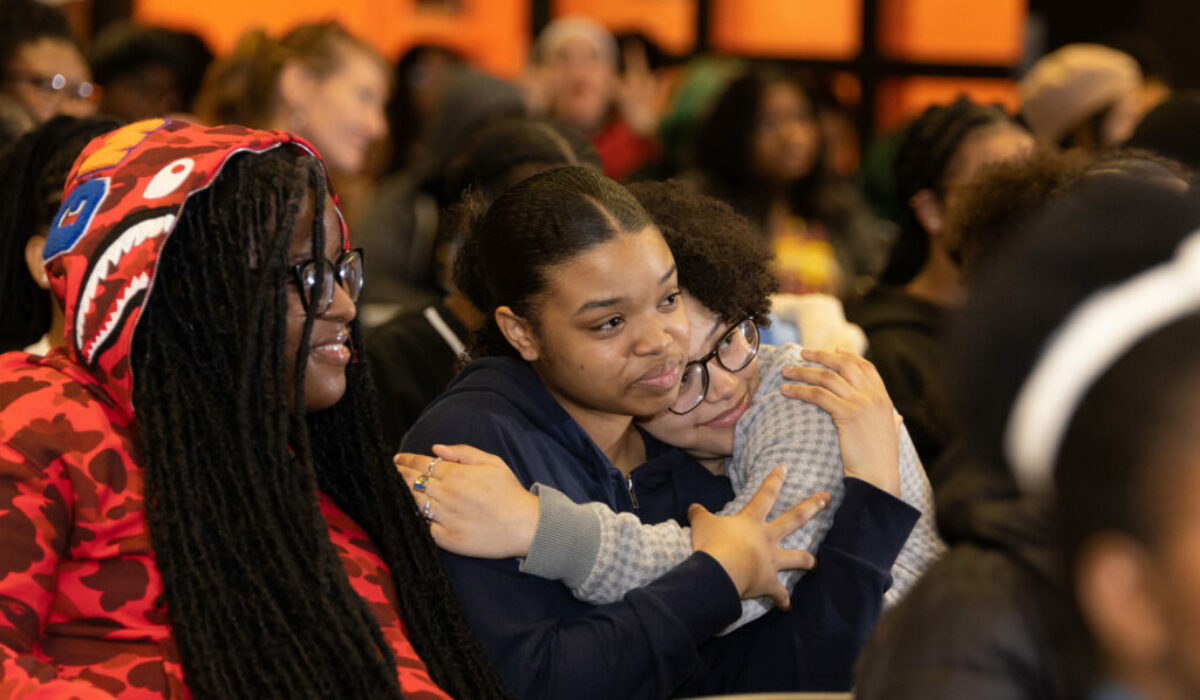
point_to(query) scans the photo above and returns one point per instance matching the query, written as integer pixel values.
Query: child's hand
(475, 505)
(852, 392)
(747, 546)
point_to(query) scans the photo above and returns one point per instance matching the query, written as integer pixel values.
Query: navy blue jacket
(659, 640)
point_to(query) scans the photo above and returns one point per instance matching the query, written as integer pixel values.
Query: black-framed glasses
(56, 85)
(346, 272)
(733, 352)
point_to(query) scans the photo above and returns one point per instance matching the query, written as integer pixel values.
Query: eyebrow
(603, 303)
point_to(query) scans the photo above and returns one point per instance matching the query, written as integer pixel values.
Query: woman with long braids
(193, 496)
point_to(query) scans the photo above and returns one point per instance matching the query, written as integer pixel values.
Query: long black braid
(258, 600)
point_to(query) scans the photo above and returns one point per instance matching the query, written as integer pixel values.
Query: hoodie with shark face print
(82, 603)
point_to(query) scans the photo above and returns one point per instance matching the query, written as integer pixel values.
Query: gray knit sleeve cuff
(567, 540)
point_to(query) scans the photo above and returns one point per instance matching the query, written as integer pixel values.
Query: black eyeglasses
(55, 85)
(346, 272)
(733, 352)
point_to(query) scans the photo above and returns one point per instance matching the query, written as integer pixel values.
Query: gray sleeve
(597, 553)
(924, 546)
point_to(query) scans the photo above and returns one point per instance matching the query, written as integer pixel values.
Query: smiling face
(329, 351)
(609, 333)
(343, 113)
(706, 432)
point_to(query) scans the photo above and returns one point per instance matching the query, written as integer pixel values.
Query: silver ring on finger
(427, 511)
(432, 464)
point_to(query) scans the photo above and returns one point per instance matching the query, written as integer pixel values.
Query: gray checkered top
(775, 430)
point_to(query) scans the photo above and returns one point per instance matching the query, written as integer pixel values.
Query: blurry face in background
(343, 114)
(786, 143)
(49, 75)
(995, 143)
(580, 80)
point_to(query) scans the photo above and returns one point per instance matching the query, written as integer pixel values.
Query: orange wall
(829, 29)
(671, 23)
(901, 99)
(494, 33)
(952, 31)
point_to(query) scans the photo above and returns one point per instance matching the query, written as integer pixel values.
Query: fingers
(779, 596)
(830, 380)
(463, 454)
(764, 498)
(795, 559)
(796, 516)
(697, 513)
(820, 397)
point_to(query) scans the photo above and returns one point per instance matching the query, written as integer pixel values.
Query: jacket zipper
(632, 495)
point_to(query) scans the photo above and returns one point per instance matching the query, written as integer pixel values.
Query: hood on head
(122, 200)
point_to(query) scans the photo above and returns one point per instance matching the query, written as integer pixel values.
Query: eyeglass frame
(715, 353)
(338, 278)
(46, 83)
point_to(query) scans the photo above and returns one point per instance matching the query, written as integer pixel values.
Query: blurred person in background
(317, 81)
(147, 72)
(40, 64)
(760, 150)
(904, 315)
(399, 224)
(1082, 96)
(420, 76)
(575, 77)
(32, 173)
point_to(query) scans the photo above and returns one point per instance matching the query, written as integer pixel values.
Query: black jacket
(991, 621)
(904, 341)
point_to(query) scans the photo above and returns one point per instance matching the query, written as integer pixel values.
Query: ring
(427, 511)
(432, 464)
(419, 483)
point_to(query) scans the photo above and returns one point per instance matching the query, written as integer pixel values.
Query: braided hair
(33, 171)
(925, 155)
(259, 603)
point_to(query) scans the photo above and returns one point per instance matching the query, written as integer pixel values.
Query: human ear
(33, 260)
(928, 210)
(518, 332)
(1115, 586)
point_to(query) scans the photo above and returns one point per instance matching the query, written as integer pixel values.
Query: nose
(342, 309)
(654, 339)
(722, 383)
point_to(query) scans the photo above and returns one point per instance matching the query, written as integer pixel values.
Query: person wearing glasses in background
(40, 64)
(734, 415)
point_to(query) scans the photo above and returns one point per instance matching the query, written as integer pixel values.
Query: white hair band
(1094, 336)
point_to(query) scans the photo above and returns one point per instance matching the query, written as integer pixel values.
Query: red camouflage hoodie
(82, 611)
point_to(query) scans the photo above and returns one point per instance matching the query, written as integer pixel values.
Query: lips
(332, 350)
(663, 376)
(731, 416)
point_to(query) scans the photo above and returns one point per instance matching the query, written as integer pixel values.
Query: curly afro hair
(723, 262)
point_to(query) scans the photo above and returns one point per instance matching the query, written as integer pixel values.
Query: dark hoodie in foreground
(660, 640)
